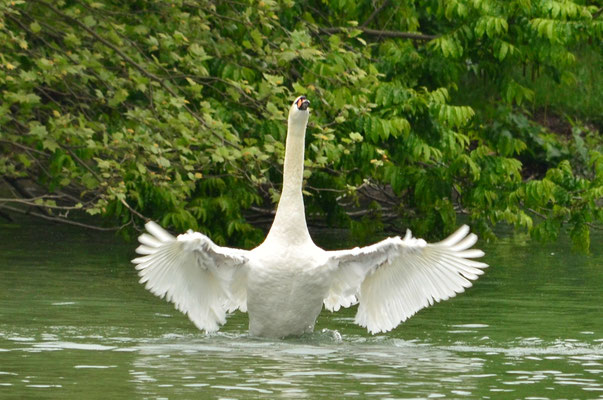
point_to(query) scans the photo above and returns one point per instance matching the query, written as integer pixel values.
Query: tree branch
(14, 183)
(83, 164)
(133, 211)
(63, 220)
(375, 32)
(26, 148)
(32, 202)
(374, 14)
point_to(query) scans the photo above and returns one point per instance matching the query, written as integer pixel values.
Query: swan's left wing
(202, 279)
(395, 278)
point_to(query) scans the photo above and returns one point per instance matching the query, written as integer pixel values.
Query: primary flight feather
(284, 282)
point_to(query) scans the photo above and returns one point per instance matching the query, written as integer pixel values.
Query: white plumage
(284, 282)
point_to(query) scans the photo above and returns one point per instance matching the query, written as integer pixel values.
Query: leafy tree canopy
(176, 111)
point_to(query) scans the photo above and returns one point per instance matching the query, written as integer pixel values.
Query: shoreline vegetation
(114, 113)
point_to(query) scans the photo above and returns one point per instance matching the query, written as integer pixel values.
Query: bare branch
(376, 32)
(64, 220)
(23, 191)
(83, 164)
(374, 14)
(26, 148)
(32, 202)
(133, 211)
(264, 211)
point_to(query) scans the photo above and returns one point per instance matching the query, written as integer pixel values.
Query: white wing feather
(395, 278)
(203, 280)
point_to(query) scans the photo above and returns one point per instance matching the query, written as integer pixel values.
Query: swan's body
(284, 282)
(286, 291)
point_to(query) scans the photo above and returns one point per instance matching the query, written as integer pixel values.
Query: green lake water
(75, 324)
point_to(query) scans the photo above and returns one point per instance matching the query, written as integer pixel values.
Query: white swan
(284, 282)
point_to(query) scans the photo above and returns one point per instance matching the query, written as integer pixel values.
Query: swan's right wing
(395, 278)
(202, 279)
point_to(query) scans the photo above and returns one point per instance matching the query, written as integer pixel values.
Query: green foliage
(176, 111)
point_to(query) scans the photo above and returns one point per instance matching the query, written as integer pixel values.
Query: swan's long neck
(290, 220)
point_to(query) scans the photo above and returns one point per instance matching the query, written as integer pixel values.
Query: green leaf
(89, 21)
(35, 27)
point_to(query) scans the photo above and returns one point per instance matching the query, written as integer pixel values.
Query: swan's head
(299, 113)
(301, 103)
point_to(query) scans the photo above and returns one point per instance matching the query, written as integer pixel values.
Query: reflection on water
(74, 321)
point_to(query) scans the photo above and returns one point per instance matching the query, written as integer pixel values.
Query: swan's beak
(302, 103)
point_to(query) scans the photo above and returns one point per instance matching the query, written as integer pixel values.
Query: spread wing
(395, 278)
(202, 279)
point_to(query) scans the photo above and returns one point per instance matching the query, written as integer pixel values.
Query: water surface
(74, 323)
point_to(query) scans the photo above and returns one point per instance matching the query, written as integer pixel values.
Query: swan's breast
(285, 291)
